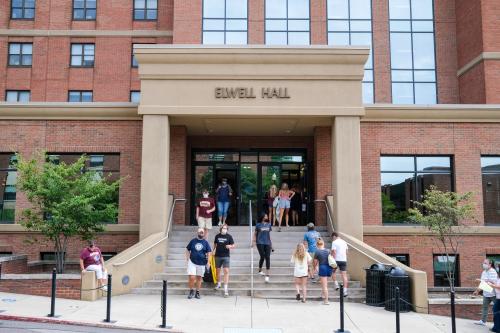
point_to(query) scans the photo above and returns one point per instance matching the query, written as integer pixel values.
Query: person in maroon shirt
(204, 210)
(91, 260)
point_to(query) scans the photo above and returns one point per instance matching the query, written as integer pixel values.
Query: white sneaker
(480, 323)
(266, 279)
(104, 288)
(262, 273)
(226, 294)
(336, 285)
(217, 286)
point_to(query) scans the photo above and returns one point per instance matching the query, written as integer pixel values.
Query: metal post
(397, 311)
(108, 302)
(164, 306)
(341, 300)
(251, 261)
(453, 319)
(53, 294)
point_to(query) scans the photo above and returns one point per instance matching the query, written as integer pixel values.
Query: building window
(441, 264)
(145, 9)
(402, 258)
(84, 10)
(8, 177)
(82, 55)
(413, 64)
(20, 54)
(350, 23)
(17, 96)
(135, 96)
(22, 9)
(134, 62)
(5, 254)
(49, 256)
(496, 260)
(287, 22)
(490, 169)
(225, 21)
(108, 255)
(80, 96)
(404, 180)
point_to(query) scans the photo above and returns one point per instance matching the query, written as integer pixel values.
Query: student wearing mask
(310, 239)
(223, 196)
(204, 210)
(223, 244)
(198, 254)
(489, 274)
(262, 238)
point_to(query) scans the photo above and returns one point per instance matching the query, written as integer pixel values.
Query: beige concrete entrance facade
(257, 91)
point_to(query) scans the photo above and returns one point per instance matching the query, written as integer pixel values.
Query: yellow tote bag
(212, 268)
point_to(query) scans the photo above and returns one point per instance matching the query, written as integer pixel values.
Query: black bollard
(341, 299)
(164, 306)
(453, 319)
(53, 295)
(397, 310)
(108, 302)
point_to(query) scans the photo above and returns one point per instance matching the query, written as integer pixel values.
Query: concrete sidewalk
(213, 314)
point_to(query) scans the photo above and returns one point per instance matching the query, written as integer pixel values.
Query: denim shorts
(325, 271)
(284, 203)
(222, 208)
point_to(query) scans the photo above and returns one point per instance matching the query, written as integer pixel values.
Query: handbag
(331, 261)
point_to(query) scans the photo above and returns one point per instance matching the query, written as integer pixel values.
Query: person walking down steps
(262, 238)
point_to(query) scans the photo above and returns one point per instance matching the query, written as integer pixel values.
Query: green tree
(443, 213)
(66, 200)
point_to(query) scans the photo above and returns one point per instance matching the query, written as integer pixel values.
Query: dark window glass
(350, 23)
(135, 96)
(287, 22)
(80, 96)
(225, 22)
(82, 55)
(402, 258)
(22, 9)
(8, 176)
(404, 180)
(49, 256)
(20, 54)
(145, 9)
(5, 254)
(23, 96)
(442, 264)
(84, 9)
(490, 169)
(413, 66)
(108, 255)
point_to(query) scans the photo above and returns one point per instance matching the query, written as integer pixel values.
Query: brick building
(417, 109)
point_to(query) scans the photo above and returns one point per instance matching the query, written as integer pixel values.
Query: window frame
(411, 32)
(483, 190)
(456, 273)
(406, 255)
(225, 19)
(82, 65)
(18, 94)
(135, 91)
(21, 46)
(415, 173)
(350, 32)
(10, 168)
(23, 8)
(80, 92)
(145, 9)
(85, 9)
(287, 31)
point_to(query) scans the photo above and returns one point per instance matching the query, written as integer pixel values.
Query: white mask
(205, 195)
(485, 266)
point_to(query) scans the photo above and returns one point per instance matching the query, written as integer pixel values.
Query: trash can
(397, 277)
(375, 282)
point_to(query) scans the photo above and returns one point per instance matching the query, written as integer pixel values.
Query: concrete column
(346, 176)
(154, 174)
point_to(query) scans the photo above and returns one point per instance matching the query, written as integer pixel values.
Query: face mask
(200, 236)
(224, 231)
(205, 195)
(224, 183)
(485, 266)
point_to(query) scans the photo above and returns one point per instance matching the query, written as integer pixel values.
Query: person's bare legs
(226, 278)
(297, 285)
(286, 217)
(198, 283)
(191, 281)
(295, 217)
(344, 280)
(324, 288)
(304, 288)
(281, 217)
(217, 274)
(271, 216)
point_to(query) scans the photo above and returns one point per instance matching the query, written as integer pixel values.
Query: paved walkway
(214, 314)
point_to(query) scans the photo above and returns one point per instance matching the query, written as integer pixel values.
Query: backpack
(208, 277)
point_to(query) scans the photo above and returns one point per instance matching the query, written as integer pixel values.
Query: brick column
(322, 170)
(177, 185)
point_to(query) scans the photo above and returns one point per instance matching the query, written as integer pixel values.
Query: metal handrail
(167, 231)
(251, 261)
(330, 220)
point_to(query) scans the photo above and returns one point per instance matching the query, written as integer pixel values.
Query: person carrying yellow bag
(223, 244)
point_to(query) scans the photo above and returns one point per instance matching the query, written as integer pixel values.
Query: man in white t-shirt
(339, 252)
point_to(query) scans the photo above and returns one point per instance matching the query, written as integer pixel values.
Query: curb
(78, 323)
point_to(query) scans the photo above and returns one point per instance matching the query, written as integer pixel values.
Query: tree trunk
(60, 250)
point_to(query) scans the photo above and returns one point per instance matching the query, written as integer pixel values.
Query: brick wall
(65, 288)
(466, 311)
(322, 170)
(177, 181)
(14, 264)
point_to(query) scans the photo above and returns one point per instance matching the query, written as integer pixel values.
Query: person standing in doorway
(204, 210)
(223, 194)
(262, 238)
(323, 268)
(489, 274)
(271, 195)
(296, 204)
(223, 244)
(339, 253)
(310, 239)
(198, 254)
(301, 260)
(285, 196)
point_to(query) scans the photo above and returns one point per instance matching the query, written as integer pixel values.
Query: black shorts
(342, 266)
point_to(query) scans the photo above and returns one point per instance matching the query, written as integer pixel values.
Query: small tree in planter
(443, 213)
(66, 200)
